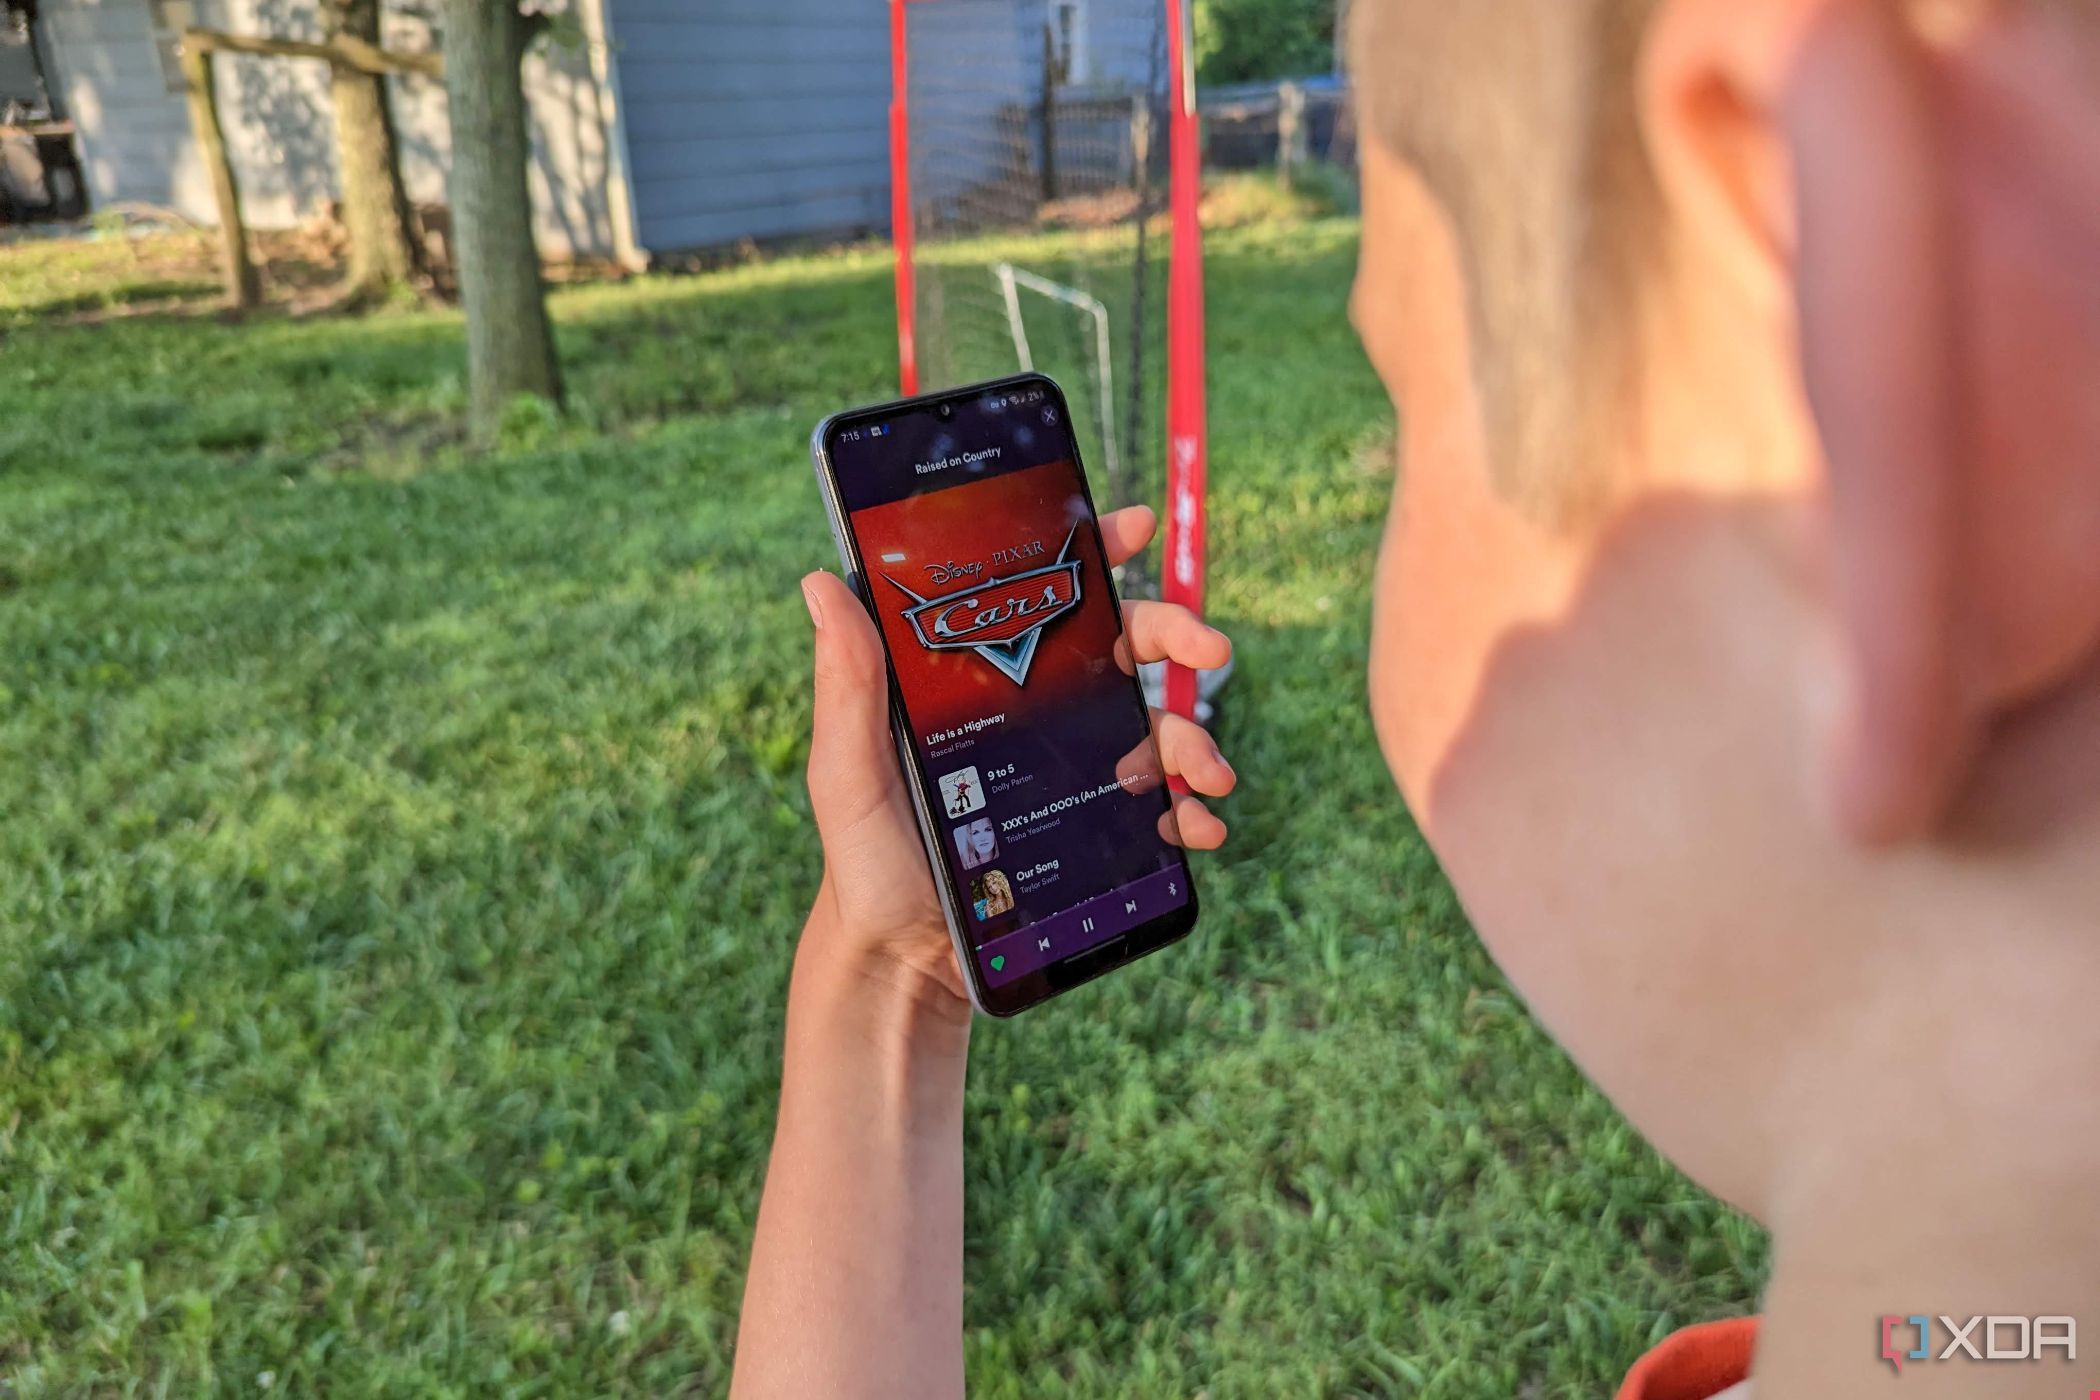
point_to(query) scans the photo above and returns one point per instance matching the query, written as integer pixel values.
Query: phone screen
(976, 539)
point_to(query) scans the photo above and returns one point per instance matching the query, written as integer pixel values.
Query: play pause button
(1070, 932)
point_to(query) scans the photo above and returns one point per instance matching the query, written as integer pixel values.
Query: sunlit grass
(402, 851)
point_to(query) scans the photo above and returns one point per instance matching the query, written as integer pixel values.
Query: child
(1737, 646)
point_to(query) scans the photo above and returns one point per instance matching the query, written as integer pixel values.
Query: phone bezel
(1062, 976)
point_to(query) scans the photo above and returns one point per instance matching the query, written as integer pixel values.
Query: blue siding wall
(975, 68)
(753, 118)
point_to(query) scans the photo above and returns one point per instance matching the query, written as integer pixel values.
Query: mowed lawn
(401, 852)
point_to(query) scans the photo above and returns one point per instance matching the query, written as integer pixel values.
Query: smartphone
(964, 522)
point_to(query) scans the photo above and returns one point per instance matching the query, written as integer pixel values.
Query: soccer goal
(1044, 172)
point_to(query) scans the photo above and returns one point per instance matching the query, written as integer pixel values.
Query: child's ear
(1707, 91)
(1910, 195)
(1877, 291)
(1801, 142)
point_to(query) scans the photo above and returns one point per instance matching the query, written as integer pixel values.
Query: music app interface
(987, 576)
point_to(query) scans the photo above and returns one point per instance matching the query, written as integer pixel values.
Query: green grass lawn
(401, 852)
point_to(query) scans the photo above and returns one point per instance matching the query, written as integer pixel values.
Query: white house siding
(133, 134)
(135, 139)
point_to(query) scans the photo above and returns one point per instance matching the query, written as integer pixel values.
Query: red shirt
(1694, 1364)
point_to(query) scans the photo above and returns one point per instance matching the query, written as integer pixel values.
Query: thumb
(852, 768)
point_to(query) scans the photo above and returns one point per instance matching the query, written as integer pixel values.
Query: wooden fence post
(243, 285)
(1290, 129)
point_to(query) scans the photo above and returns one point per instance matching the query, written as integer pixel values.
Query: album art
(962, 792)
(993, 594)
(991, 895)
(1001, 619)
(976, 843)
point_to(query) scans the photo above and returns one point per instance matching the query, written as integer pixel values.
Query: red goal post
(1021, 123)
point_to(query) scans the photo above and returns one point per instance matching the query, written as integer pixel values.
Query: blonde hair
(1520, 117)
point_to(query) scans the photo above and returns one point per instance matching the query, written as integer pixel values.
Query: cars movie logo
(1001, 619)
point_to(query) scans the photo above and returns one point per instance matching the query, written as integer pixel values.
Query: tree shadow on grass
(128, 299)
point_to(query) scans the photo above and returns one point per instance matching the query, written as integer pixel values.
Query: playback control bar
(1081, 927)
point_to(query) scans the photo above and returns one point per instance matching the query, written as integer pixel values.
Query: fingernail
(816, 610)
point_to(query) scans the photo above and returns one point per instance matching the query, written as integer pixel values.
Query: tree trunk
(383, 253)
(510, 347)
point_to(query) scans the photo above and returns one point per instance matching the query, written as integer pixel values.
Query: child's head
(1738, 626)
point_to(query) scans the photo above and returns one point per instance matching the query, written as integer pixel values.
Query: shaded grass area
(51, 277)
(403, 850)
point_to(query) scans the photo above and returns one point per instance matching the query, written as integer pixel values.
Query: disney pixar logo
(1980, 1338)
(1001, 619)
